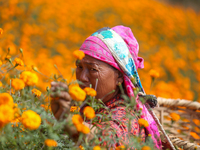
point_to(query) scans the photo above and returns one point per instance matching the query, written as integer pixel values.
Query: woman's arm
(60, 105)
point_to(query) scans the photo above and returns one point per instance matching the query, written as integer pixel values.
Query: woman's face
(89, 69)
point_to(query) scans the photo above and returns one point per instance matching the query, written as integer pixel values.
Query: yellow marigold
(196, 121)
(97, 148)
(1, 84)
(146, 148)
(6, 114)
(174, 116)
(1, 31)
(6, 99)
(194, 135)
(17, 84)
(50, 143)
(85, 129)
(74, 108)
(1, 63)
(90, 91)
(122, 147)
(78, 54)
(36, 92)
(77, 93)
(89, 112)
(30, 78)
(143, 122)
(153, 73)
(77, 119)
(18, 62)
(31, 120)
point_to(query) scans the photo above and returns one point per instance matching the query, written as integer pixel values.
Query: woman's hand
(61, 100)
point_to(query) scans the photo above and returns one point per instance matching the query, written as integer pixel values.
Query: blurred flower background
(49, 31)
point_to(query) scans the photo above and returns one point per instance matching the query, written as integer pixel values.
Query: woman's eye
(77, 66)
(92, 69)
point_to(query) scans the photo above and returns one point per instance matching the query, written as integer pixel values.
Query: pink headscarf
(96, 48)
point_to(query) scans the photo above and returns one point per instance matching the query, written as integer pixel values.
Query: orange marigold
(50, 143)
(6, 114)
(196, 121)
(36, 92)
(85, 129)
(30, 78)
(1, 31)
(143, 122)
(31, 120)
(153, 73)
(1, 84)
(175, 116)
(97, 148)
(89, 112)
(77, 119)
(146, 148)
(17, 84)
(90, 91)
(122, 147)
(78, 54)
(6, 99)
(194, 135)
(1, 62)
(77, 93)
(18, 62)
(74, 108)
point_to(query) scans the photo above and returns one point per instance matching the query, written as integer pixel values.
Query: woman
(112, 58)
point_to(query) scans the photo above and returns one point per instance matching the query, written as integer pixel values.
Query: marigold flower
(81, 147)
(153, 73)
(78, 54)
(194, 135)
(74, 108)
(31, 120)
(77, 93)
(90, 91)
(77, 119)
(29, 78)
(6, 114)
(1, 84)
(36, 92)
(89, 112)
(1, 31)
(6, 99)
(143, 122)
(85, 129)
(50, 143)
(18, 62)
(1, 62)
(17, 84)
(174, 116)
(196, 121)
(146, 148)
(122, 147)
(197, 129)
(97, 148)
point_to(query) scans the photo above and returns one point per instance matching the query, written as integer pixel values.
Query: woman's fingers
(58, 85)
(60, 107)
(61, 95)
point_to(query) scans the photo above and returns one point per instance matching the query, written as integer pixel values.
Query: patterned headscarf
(119, 48)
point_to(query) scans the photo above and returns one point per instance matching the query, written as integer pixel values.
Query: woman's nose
(84, 76)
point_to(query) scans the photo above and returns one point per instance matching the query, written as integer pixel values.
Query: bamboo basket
(185, 132)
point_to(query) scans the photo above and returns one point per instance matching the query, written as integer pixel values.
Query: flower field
(37, 41)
